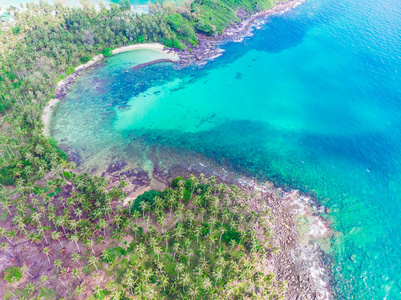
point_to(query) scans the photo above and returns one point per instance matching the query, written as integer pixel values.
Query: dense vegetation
(213, 16)
(198, 250)
(207, 245)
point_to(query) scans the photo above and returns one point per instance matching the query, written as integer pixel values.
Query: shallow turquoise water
(311, 101)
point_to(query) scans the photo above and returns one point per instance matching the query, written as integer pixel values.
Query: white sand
(155, 47)
(46, 115)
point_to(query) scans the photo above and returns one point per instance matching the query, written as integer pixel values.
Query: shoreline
(62, 87)
(208, 46)
(299, 227)
(302, 261)
(206, 49)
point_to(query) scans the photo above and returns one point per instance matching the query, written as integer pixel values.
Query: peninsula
(68, 235)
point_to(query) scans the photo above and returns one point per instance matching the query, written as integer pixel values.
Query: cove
(310, 101)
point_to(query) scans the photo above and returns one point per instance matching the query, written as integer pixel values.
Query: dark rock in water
(116, 166)
(73, 154)
(239, 75)
(124, 107)
(152, 63)
(118, 171)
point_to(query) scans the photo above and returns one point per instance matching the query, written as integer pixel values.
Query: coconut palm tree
(56, 236)
(76, 257)
(135, 228)
(232, 244)
(194, 184)
(59, 222)
(57, 263)
(189, 253)
(117, 234)
(162, 221)
(78, 213)
(197, 201)
(198, 232)
(102, 224)
(198, 272)
(203, 263)
(179, 267)
(202, 212)
(166, 236)
(207, 284)
(30, 288)
(225, 216)
(185, 279)
(3, 232)
(179, 232)
(77, 273)
(136, 214)
(95, 275)
(212, 222)
(44, 278)
(187, 243)
(47, 252)
(89, 244)
(41, 230)
(212, 241)
(93, 262)
(98, 291)
(116, 295)
(80, 289)
(118, 220)
(106, 254)
(193, 292)
(171, 201)
(75, 239)
(222, 231)
(6, 204)
(157, 251)
(24, 269)
(147, 219)
(129, 281)
(140, 249)
(176, 248)
(147, 274)
(123, 184)
(144, 207)
(125, 245)
(164, 282)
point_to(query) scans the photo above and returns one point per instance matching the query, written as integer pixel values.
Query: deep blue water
(312, 100)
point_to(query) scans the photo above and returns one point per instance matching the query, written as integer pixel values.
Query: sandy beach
(155, 46)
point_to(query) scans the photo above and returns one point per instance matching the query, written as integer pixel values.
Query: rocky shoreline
(206, 49)
(301, 261)
(298, 228)
(208, 46)
(152, 63)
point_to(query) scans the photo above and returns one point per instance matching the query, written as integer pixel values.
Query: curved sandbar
(63, 84)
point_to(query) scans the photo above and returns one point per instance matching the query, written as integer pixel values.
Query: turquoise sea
(311, 101)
